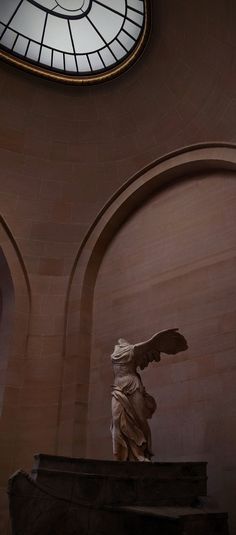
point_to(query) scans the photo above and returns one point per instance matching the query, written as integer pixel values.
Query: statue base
(65, 496)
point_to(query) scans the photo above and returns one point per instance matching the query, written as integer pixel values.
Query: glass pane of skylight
(33, 51)
(46, 56)
(117, 49)
(95, 61)
(132, 29)
(85, 36)
(57, 34)
(83, 64)
(29, 21)
(73, 36)
(7, 9)
(70, 63)
(21, 45)
(107, 22)
(107, 57)
(8, 39)
(58, 60)
(118, 5)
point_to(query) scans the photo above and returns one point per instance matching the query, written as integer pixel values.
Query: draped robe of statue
(132, 406)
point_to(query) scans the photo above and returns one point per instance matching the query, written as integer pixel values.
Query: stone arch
(78, 329)
(6, 320)
(15, 274)
(15, 314)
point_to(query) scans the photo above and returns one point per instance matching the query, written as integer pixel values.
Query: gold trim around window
(85, 80)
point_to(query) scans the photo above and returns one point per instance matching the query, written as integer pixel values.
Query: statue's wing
(169, 341)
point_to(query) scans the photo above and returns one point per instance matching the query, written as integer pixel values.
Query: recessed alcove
(172, 264)
(152, 213)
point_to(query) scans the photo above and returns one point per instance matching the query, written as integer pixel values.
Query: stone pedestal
(64, 496)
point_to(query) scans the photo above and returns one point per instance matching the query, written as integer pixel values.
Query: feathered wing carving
(169, 341)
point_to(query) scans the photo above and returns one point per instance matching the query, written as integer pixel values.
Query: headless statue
(132, 406)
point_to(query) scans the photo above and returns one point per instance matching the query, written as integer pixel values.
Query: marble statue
(132, 406)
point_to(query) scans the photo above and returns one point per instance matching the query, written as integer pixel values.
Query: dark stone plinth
(111, 468)
(109, 482)
(66, 496)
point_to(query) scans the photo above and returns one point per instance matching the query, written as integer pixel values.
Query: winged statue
(132, 406)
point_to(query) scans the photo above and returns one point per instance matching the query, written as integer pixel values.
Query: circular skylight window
(73, 40)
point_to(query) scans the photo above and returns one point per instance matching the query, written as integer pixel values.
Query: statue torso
(126, 377)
